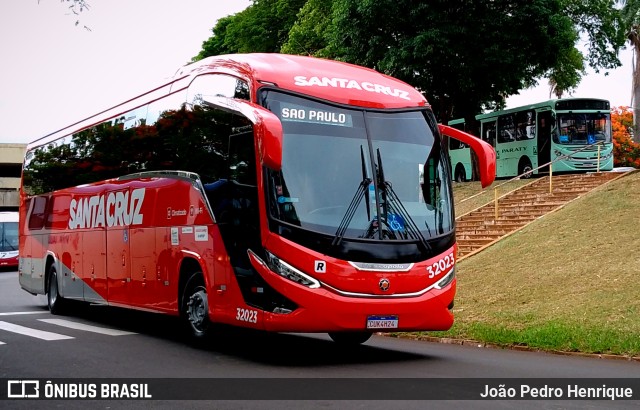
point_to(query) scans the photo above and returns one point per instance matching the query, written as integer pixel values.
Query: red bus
(274, 192)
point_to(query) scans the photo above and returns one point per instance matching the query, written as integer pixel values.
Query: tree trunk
(636, 92)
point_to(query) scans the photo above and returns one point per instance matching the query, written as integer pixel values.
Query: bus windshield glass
(8, 236)
(583, 128)
(374, 175)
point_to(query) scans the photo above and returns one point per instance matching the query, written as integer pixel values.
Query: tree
(567, 73)
(598, 22)
(219, 43)
(76, 7)
(465, 55)
(308, 34)
(631, 22)
(262, 27)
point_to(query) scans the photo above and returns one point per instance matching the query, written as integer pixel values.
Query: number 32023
(436, 268)
(246, 315)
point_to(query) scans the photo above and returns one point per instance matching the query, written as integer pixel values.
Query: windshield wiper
(362, 191)
(391, 202)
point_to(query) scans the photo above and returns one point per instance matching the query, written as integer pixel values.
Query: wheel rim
(53, 290)
(197, 310)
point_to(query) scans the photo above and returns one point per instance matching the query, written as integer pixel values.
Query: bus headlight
(285, 270)
(447, 279)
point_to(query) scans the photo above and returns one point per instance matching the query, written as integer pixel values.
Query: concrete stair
(478, 229)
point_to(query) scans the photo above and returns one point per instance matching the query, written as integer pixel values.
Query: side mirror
(485, 153)
(267, 127)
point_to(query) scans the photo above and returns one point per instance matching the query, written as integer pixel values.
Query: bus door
(544, 138)
(118, 250)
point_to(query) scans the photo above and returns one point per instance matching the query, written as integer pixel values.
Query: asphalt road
(95, 343)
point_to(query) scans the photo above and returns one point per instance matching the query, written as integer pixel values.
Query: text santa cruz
(350, 84)
(112, 209)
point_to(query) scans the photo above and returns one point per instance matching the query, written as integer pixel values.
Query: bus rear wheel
(195, 307)
(350, 338)
(55, 302)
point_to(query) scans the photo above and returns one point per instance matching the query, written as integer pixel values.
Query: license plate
(382, 322)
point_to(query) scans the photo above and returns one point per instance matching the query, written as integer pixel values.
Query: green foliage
(567, 281)
(262, 27)
(567, 73)
(553, 335)
(463, 54)
(308, 34)
(630, 16)
(219, 43)
(600, 21)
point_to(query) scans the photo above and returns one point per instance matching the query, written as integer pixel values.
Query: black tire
(525, 166)
(55, 302)
(460, 174)
(350, 338)
(195, 307)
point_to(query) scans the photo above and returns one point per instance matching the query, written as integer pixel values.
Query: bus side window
(525, 125)
(38, 212)
(506, 128)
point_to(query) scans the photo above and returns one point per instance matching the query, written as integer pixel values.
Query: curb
(523, 348)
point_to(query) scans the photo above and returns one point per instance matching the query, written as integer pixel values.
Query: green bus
(533, 135)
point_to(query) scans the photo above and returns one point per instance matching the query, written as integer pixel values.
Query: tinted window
(165, 135)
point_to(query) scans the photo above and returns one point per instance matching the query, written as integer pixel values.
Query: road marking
(88, 328)
(2, 343)
(27, 331)
(23, 313)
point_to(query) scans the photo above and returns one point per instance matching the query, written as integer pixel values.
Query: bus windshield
(583, 128)
(336, 160)
(8, 236)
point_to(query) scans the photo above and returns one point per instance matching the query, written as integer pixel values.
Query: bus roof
(8, 217)
(327, 79)
(334, 81)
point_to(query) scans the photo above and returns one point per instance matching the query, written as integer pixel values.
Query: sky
(55, 73)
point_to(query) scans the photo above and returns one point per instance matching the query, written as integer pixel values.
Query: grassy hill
(569, 281)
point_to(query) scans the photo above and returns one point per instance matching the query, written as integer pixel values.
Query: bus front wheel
(195, 307)
(350, 338)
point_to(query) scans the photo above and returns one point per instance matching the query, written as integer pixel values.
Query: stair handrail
(599, 144)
